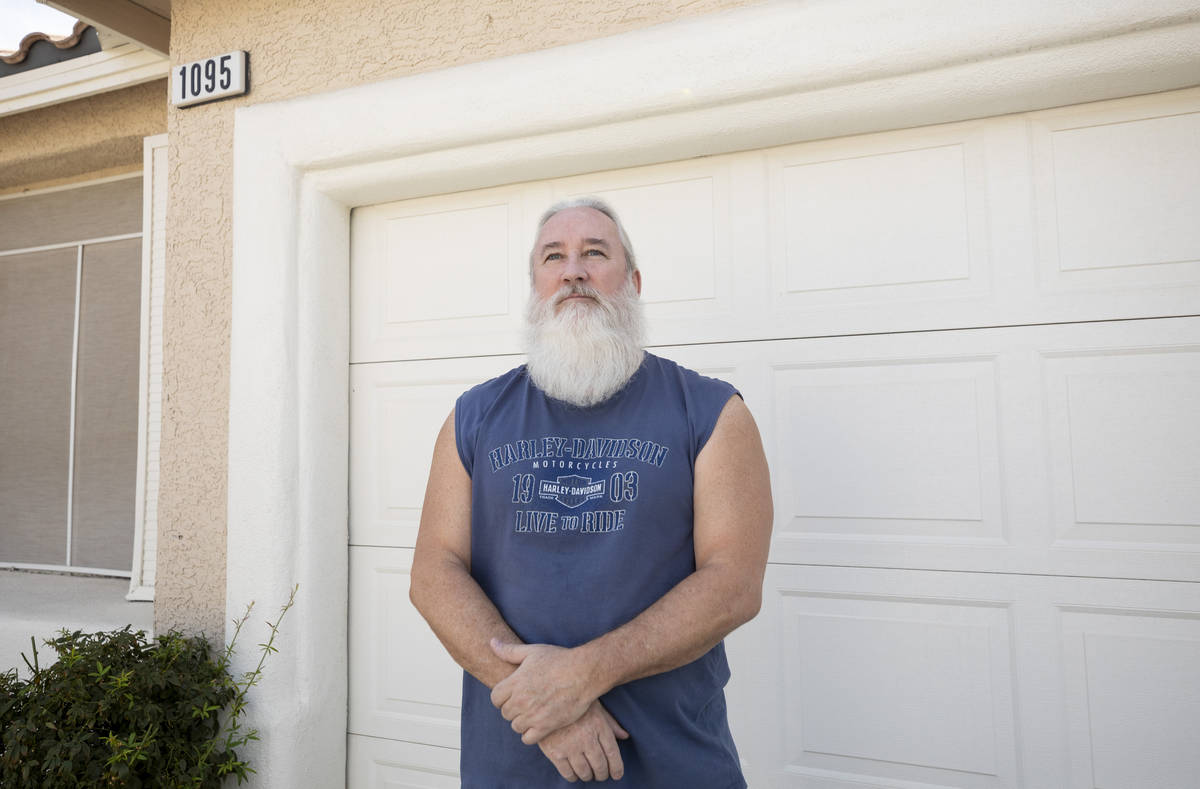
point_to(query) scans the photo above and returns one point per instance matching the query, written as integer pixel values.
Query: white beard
(589, 350)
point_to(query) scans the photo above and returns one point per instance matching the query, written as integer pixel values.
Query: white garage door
(973, 354)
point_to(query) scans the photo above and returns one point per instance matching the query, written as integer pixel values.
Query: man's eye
(553, 256)
(594, 252)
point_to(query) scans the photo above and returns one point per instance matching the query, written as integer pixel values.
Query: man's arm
(732, 533)
(442, 589)
(464, 619)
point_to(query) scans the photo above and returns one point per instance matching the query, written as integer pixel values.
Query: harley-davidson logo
(571, 491)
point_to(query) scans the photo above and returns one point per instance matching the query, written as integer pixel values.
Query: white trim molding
(112, 69)
(763, 75)
(60, 569)
(150, 367)
(74, 185)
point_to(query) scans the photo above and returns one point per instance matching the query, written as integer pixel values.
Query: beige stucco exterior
(80, 140)
(296, 48)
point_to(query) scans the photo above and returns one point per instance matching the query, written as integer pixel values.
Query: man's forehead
(593, 224)
(596, 240)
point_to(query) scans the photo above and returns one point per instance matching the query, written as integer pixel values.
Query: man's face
(579, 246)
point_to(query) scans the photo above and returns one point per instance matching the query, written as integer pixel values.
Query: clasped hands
(550, 702)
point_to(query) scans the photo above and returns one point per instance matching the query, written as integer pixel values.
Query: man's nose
(574, 270)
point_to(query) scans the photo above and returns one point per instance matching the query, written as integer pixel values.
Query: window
(70, 326)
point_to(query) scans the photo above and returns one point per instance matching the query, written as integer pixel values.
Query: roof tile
(62, 42)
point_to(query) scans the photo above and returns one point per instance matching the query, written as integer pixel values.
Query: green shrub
(119, 710)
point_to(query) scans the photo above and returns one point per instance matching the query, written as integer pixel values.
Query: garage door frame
(803, 73)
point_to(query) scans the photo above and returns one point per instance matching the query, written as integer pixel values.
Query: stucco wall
(79, 140)
(296, 48)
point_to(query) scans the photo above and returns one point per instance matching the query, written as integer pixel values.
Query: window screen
(69, 341)
(37, 327)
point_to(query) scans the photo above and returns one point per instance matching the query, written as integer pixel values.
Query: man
(596, 522)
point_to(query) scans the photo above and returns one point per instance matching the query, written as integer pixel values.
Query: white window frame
(150, 367)
(153, 235)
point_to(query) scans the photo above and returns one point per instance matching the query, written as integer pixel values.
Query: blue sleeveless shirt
(581, 518)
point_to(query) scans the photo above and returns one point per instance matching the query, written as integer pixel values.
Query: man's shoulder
(476, 401)
(493, 386)
(474, 407)
(687, 378)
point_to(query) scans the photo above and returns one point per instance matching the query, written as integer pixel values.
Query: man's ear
(637, 281)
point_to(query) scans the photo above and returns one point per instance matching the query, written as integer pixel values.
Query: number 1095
(208, 79)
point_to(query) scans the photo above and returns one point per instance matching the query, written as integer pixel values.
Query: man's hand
(549, 689)
(586, 750)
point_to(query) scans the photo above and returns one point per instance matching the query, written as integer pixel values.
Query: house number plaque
(210, 79)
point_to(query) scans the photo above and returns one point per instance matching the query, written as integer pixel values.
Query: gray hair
(599, 205)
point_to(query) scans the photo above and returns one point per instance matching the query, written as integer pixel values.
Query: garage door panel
(893, 450)
(427, 273)
(480, 236)
(907, 447)
(1152, 197)
(1119, 191)
(403, 684)
(1133, 696)
(1116, 447)
(1127, 467)
(841, 706)
(1121, 451)
(397, 409)
(388, 764)
(892, 231)
(887, 678)
(872, 218)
